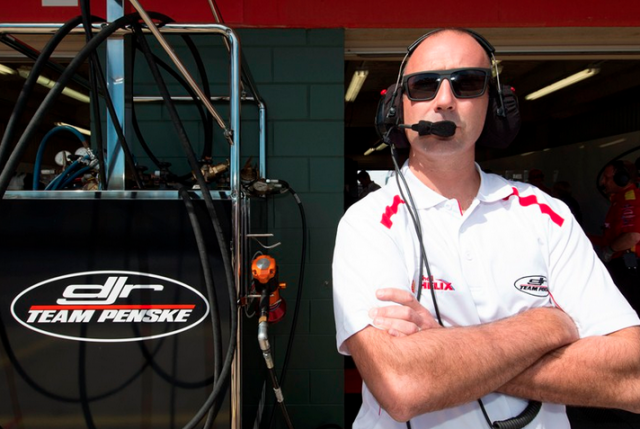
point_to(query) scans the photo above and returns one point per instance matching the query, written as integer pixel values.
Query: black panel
(53, 381)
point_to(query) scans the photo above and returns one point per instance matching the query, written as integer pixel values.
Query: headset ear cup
(388, 115)
(500, 130)
(621, 176)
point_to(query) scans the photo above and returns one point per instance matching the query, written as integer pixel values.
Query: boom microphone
(440, 129)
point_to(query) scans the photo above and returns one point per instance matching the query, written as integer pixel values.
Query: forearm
(625, 241)
(595, 371)
(440, 368)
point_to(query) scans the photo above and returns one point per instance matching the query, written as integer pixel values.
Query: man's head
(618, 176)
(441, 52)
(536, 176)
(364, 178)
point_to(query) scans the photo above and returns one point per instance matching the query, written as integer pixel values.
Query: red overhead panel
(357, 13)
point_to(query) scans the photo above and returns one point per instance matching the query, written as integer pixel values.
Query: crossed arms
(413, 366)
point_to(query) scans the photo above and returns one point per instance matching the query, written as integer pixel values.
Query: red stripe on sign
(113, 307)
(532, 200)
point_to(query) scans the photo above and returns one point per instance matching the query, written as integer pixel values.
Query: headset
(502, 122)
(501, 126)
(622, 175)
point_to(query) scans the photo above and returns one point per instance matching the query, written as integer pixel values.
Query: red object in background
(352, 381)
(357, 13)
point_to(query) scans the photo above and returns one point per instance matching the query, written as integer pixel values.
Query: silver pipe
(163, 42)
(157, 98)
(263, 139)
(115, 161)
(215, 12)
(237, 225)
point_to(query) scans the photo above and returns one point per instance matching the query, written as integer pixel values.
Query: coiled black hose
(522, 419)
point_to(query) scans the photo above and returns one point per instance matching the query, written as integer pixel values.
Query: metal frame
(240, 81)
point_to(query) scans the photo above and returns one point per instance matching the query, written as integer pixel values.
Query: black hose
(27, 88)
(94, 65)
(221, 383)
(33, 54)
(162, 166)
(4, 339)
(296, 311)
(82, 383)
(522, 419)
(18, 152)
(202, 71)
(215, 314)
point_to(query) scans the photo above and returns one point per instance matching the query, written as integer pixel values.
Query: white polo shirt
(513, 249)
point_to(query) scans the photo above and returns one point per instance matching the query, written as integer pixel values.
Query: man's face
(443, 51)
(607, 184)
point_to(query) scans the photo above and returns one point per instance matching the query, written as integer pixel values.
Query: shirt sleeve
(366, 258)
(580, 284)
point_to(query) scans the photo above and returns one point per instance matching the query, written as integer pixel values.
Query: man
(367, 184)
(528, 310)
(621, 238)
(536, 178)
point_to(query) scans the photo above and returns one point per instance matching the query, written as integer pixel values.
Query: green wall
(300, 76)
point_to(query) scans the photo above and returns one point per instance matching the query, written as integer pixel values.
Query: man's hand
(401, 320)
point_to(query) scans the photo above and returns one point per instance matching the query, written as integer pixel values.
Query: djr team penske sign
(110, 306)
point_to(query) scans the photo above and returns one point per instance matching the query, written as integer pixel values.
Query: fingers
(395, 320)
(396, 312)
(400, 296)
(405, 319)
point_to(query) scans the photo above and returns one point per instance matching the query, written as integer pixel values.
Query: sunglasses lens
(423, 86)
(468, 83)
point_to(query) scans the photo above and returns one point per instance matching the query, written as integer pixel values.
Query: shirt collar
(492, 188)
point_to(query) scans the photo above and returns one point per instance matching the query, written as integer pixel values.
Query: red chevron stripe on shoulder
(391, 210)
(544, 208)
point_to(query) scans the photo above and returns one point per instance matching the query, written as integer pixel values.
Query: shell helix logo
(110, 306)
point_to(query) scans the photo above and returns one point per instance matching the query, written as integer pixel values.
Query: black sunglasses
(465, 83)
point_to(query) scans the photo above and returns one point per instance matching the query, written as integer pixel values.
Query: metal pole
(115, 86)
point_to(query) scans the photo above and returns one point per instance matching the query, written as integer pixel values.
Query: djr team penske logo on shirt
(533, 285)
(110, 306)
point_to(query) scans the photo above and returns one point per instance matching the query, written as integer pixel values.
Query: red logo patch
(436, 284)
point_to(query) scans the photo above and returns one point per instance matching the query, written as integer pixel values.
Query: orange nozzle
(263, 268)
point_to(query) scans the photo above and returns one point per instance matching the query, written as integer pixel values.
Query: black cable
(94, 64)
(162, 166)
(82, 382)
(533, 407)
(184, 140)
(296, 311)
(33, 54)
(30, 83)
(413, 212)
(522, 419)
(126, 150)
(221, 383)
(211, 293)
(208, 280)
(18, 152)
(202, 71)
(4, 339)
